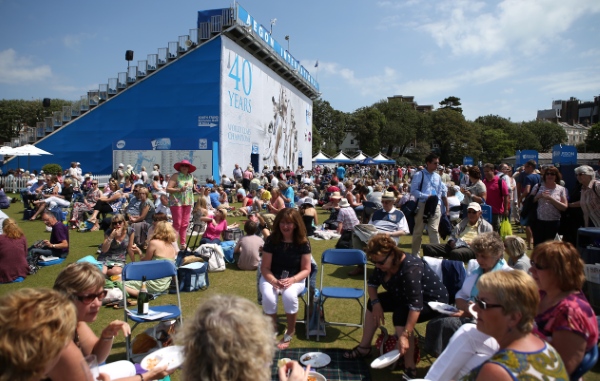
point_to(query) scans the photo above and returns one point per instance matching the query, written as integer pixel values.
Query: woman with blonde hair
(36, 326)
(13, 253)
(160, 248)
(516, 248)
(83, 284)
(506, 307)
(109, 203)
(230, 339)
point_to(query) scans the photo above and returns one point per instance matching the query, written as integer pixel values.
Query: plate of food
(171, 356)
(386, 360)
(315, 359)
(315, 376)
(443, 308)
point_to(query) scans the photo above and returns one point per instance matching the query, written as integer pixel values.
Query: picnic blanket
(339, 368)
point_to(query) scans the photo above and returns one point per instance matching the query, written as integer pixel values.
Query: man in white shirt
(274, 182)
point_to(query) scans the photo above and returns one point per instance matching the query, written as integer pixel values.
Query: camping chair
(344, 257)
(589, 360)
(151, 270)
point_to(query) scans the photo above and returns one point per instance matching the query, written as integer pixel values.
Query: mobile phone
(284, 274)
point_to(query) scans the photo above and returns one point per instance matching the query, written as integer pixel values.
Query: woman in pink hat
(180, 188)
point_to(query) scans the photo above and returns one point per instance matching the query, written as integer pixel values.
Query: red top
(493, 197)
(13, 258)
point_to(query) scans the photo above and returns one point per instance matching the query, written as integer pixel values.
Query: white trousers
(289, 296)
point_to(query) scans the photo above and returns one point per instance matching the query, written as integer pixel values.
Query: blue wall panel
(166, 104)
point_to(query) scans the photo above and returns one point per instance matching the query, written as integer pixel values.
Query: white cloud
(73, 41)
(472, 27)
(593, 52)
(578, 81)
(389, 81)
(15, 69)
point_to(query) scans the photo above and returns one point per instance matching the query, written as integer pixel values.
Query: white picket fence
(15, 184)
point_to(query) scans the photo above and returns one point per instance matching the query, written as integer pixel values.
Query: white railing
(18, 183)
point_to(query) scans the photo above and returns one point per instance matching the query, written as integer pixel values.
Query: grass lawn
(232, 281)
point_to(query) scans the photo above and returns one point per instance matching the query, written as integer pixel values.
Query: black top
(415, 283)
(285, 256)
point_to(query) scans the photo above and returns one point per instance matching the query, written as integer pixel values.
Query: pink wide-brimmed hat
(184, 162)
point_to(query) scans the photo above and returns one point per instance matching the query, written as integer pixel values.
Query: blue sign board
(563, 154)
(522, 157)
(468, 160)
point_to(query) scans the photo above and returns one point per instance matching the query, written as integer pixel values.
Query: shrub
(52, 169)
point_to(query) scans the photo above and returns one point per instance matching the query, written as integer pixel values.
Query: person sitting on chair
(458, 247)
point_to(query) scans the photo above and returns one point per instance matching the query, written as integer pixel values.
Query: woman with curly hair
(409, 285)
(13, 252)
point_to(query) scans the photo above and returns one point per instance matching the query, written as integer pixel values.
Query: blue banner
(563, 154)
(522, 157)
(468, 160)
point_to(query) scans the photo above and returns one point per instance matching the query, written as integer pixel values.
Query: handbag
(529, 210)
(505, 228)
(386, 343)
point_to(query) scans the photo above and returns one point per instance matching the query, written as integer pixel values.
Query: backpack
(228, 247)
(213, 254)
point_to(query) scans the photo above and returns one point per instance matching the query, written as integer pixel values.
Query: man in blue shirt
(427, 185)
(214, 198)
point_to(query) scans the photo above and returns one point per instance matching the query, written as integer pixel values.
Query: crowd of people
(530, 309)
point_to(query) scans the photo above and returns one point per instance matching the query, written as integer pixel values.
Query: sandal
(410, 373)
(284, 343)
(355, 353)
(95, 228)
(121, 304)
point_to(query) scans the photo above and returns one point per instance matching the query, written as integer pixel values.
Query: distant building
(574, 116)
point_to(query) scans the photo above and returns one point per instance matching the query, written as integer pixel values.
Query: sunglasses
(550, 174)
(484, 305)
(472, 211)
(87, 299)
(94, 183)
(537, 266)
(118, 222)
(381, 263)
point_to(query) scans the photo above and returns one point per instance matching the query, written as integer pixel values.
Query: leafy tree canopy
(548, 134)
(592, 141)
(452, 103)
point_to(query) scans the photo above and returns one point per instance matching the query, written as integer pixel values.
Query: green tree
(454, 136)
(365, 123)
(15, 113)
(498, 138)
(401, 128)
(592, 141)
(548, 134)
(452, 103)
(330, 125)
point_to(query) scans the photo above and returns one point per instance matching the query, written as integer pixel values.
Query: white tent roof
(359, 157)
(381, 157)
(320, 156)
(341, 156)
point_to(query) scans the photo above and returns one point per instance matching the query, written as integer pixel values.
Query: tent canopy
(383, 159)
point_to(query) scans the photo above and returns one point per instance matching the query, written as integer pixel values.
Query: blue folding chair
(589, 360)
(151, 270)
(344, 257)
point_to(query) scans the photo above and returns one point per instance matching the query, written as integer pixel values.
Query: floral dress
(79, 207)
(183, 198)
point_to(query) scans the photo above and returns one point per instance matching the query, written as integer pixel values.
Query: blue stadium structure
(226, 93)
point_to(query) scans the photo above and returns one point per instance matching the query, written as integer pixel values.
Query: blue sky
(503, 57)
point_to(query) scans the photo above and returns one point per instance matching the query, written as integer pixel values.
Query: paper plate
(171, 356)
(472, 311)
(315, 359)
(317, 376)
(386, 360)
(443, 308)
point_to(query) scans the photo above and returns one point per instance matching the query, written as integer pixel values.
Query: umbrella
(6, 150)
(29, 150)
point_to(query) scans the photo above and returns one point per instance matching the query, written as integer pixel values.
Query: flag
(317, 64)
